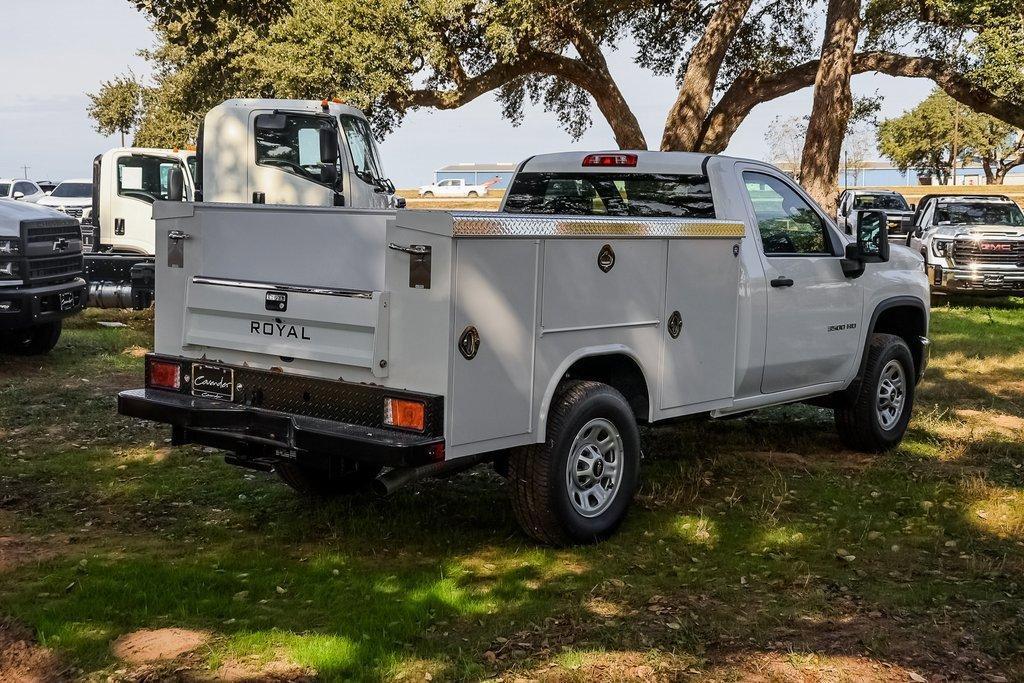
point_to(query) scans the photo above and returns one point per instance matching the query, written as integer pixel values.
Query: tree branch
(751, 89)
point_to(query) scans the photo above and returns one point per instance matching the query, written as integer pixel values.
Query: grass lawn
(757, 547)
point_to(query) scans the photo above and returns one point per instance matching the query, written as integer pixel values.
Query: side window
(444, 183)
(363, 150)
(787, 223)
(291, 142)
(25, 188)
(144, 178)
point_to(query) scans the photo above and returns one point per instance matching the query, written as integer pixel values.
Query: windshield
(73, 190)
(5, 189)
(979, 214)
(363, 149)
(893, 202)
(611, 194)
(191, 161)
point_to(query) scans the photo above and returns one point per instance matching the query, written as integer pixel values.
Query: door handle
(178, 235)
(782, 282)
(413, 249)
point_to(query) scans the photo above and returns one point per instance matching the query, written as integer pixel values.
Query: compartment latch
(419, 263)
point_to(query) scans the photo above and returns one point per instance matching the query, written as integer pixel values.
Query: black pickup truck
(40, 276)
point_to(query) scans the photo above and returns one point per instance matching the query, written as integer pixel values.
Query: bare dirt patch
(784, 460)
(18, 550)
(238, 670)
(145, 646)
(22, 660)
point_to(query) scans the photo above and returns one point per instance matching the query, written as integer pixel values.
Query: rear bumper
(263, 433)
(27, 306)
(958, 280)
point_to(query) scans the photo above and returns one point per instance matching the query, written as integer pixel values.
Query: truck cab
(971, 243)
(612, 289)
(304, 152)
(297, 152)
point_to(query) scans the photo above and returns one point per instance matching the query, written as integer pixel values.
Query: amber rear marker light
(164, 375)
(628, 160)
(406, 414)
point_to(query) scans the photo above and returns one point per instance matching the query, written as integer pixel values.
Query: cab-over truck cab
(613, 288)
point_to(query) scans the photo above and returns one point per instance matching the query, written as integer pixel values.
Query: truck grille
(73, 211)
(52, 268)
(51, 231)
(53, 250)
(975, 252)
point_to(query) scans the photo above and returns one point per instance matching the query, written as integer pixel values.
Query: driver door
(814, 310)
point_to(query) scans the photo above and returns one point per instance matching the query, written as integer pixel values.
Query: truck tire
(474, 194)
(33, 341)
(577, 486)
(873, 414)
(310, 481)
(428, 194)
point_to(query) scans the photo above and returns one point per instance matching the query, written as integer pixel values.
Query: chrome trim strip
(480, 224)
(608, 326)
(300, 289)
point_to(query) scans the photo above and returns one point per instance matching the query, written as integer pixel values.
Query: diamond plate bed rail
(481, 224)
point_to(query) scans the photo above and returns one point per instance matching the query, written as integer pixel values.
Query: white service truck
(313, 153)
(613, 289)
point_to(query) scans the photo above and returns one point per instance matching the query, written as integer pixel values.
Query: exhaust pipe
(396, 478)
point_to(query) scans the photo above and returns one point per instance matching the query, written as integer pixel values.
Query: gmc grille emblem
(996, 246)
(61, 244)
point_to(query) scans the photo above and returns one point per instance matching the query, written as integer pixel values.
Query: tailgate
(291, 283)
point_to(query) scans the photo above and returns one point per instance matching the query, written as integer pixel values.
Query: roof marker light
(628, 160)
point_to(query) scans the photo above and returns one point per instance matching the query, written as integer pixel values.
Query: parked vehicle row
(456, 187)
(372, 347)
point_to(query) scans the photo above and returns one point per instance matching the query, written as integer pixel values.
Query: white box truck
(614, 288)
(313, 153)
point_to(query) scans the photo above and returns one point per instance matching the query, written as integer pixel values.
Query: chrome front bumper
(958, 279)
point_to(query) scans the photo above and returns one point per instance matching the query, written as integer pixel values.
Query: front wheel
(33, 341)
(428, 194)
(873, 415)
(577, 486)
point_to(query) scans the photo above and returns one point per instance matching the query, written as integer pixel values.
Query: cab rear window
(611, 194)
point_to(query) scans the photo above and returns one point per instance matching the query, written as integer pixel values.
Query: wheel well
(618, 371)
(906, 322)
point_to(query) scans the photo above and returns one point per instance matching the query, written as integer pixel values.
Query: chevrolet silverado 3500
(40, 276)
(612, 289)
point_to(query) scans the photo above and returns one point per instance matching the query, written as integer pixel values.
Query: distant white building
(884, 174)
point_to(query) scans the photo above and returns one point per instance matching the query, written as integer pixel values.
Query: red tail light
(628, 160)
(163, 375)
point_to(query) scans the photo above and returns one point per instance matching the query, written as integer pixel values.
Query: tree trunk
(990, 175)
(686, 118)
(833, 103)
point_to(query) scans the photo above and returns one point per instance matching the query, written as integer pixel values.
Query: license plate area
(213, 381)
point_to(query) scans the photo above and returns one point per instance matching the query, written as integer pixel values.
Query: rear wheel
(312, 481)
(577, 486)
(428, 194)
(33, 341)
(473, 193)
(873, 415)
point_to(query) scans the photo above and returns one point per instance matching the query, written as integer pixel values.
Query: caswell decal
(278, 330)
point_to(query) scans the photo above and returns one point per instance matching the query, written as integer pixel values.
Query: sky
(55, 52)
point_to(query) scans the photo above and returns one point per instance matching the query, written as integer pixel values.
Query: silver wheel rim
(593, 472)
(892, 394)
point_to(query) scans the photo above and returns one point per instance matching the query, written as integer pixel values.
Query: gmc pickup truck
(612, 289)
(40, 276)
(971, 244)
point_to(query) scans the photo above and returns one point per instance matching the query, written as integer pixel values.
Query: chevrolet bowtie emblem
(61, 244)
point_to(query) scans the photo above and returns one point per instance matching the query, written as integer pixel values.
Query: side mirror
(399, 202)
(18, 195)
(329, 151)
(913, 207)
(873, 236)
(175, 185)
(329, 173)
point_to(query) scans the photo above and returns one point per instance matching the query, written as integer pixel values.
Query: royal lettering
(275, 329)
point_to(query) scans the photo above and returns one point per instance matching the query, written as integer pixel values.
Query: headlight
(9, 270)
(941, 247)
(9, 246)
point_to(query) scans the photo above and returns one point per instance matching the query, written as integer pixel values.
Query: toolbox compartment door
(699, 366)
(328, 325)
